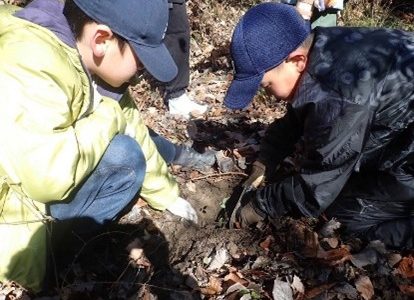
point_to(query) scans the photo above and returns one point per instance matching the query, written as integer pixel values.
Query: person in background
(349, 94)
(177, 40)
(74, 147)
(318, 12)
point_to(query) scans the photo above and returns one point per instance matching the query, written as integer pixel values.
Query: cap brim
(157, 61)
(242, 91)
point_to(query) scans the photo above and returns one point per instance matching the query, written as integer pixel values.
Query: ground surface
(154, 255)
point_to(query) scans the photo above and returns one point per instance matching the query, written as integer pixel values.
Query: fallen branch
(220, 174)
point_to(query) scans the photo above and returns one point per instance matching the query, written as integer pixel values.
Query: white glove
(183, 209)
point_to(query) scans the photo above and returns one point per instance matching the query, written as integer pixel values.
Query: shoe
(184, 106)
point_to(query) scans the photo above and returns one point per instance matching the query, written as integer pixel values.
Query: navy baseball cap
(143, 24)
(262, 40)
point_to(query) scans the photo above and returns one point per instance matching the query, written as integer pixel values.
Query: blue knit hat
(263, 39)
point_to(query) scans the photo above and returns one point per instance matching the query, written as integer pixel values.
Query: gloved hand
(188, 157)
(247, 214)
(256, 176)
(183, 209)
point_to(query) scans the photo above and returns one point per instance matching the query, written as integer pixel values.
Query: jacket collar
(49, 14)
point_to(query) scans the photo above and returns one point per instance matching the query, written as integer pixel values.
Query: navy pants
(177, 40)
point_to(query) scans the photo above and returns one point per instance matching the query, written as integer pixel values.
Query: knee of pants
(396, 234)
(124, 151)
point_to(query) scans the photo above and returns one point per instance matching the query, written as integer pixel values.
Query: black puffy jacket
(353, 109)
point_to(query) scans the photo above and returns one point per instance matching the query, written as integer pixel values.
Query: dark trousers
(177, 40)
(378, 206)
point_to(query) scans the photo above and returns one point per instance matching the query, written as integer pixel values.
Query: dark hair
(308, 42)
(77, 20)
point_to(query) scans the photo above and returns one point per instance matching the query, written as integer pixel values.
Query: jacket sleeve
(159, 188)
(46, 149)
(334, 136)
(280, 139)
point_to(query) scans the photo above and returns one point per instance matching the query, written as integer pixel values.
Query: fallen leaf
(378, 246)
(265, 244)
(213, 287)
(220, 258)
(328, 229)
(316, 291)
(234, 290)
(234, 278)
(346, 289)
(406, 267)
(304, 239)
(261, 262)
(332, 242)
(136, 253)
(297, 285)
(364, 258)
(364, 286)
(234, 250)
(394, 258)
(407, 289)
(335, 256)
(196, 114)
(281, 290)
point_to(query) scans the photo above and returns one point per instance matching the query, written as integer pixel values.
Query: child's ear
(100, 40)
(300, 59)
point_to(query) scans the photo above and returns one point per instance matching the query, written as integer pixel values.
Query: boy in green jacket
(73, 144)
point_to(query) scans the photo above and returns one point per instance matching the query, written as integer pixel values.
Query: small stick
(220, 174)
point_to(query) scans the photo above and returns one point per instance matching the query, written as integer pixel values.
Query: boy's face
(281, 80)
(106, 56)
(119, 64)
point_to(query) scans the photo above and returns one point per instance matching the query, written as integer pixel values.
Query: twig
(122, 274)
(73, 285)
(220, 174)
